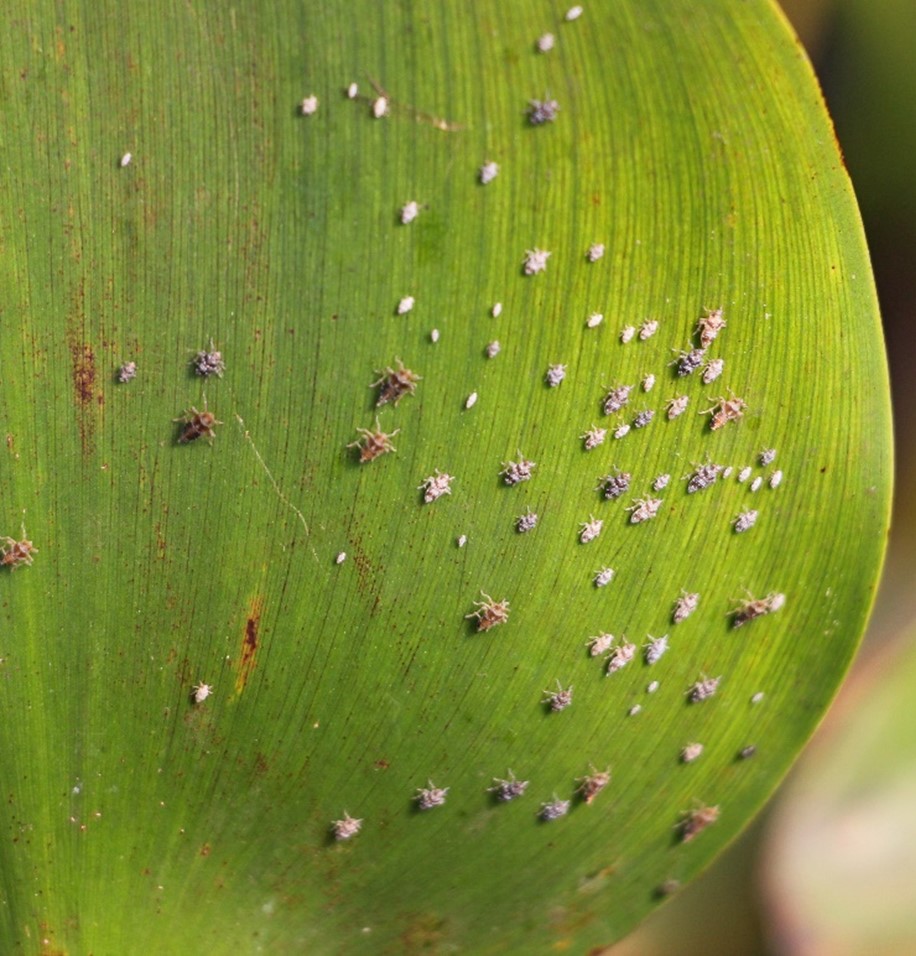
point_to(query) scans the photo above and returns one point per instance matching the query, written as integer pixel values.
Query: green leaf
(692, 142)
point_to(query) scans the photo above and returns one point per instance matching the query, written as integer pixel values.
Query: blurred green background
(830, 868)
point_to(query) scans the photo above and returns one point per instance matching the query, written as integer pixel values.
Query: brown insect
(592, 784)
(489, 613)
(14, 553)
(696, 821)
(196, 424)
(394, 384)
(725, 410)
(373, 443)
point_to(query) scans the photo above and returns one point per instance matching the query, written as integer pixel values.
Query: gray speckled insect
(684, 606)
(644, 509)
(688, 362)
(615, 485)
(655, 648)
(431, 796)
(542, 111)
(703, 477)
(600, 644)
(703, 689)
(346, 828)
(619, 657)
(506, 790)
(616, 398)
(553, 809)
(558, 699)
(515, 471)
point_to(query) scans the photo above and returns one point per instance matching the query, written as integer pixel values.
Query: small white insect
(488, 172)
(644, 418)
(352, 91)
(684, 606)
(553, 809)
(435, 486)
(644, 509)
(655, 648)
(648, 329)
(573, 13)
(634, 710)
(703, 689)
(661, 482)
(744, 474)
(431, 796)
(341, 557)
(125, 160)
(434, 336)
(405, 305)
(653, 687)
(727, 471)
(380, 107)
(497, 310)
(757, 697)
(535, 261)
(471, 400)
(594, 437)
(627, 333)
(600, 644)
(555, 375)
(462, 541)
(648, 382)
(756, 483)
(745, 520)
(712, 370)
(201, 692)
(603, 577)
(558, 699)
(346, 828)
(594, 320)
(622, 431)
(493, 349)
(515, 471)
(620, 656)
(545, 43)
(309, 105)
(526, 522)
(589, 530)
(767, 457)
(691, 752)
(776, 479)
(595, 251)
(409, 212)
(677, 406)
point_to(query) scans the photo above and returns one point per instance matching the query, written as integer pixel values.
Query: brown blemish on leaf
(250, 639)
(83, 375)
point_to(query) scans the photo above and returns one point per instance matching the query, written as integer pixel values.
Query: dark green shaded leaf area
(692, 142)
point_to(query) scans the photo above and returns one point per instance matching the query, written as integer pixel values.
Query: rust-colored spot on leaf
(250, 640)
(83, 375)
